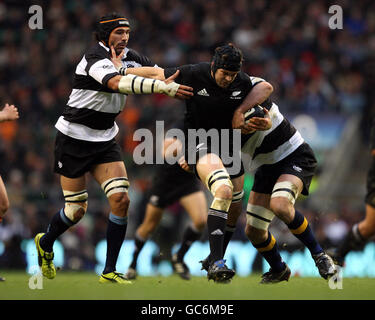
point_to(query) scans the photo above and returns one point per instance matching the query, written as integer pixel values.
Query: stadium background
(323, 81)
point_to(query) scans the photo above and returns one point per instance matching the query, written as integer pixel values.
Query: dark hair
(227, 57)
(107, 24)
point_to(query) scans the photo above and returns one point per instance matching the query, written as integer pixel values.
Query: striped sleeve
(101, 69)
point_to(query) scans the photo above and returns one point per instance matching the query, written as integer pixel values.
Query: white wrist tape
(132, 84)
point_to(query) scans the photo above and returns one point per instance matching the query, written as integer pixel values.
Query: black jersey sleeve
(140, 59)
(184, 75)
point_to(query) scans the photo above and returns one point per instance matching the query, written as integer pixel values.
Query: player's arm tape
(122, 71)
(115, 185)
(132, 84)
(285, 189)
(258, 216)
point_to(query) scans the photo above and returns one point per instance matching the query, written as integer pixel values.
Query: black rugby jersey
(211, 106)
(92, 107)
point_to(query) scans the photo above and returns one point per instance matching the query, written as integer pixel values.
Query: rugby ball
(256, 111)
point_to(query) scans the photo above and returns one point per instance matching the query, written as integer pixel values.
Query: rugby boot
(219, 272)
(275, 277)
(180, 268)
(325, 265)
(114, 277)
(45, 259)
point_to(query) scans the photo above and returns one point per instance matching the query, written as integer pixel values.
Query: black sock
(190, 235)
(301, 229)
(216, 222)
(353, 241)
(268, 249)
(139, 243)
(58, 225)
(116, 231)
(229, 231)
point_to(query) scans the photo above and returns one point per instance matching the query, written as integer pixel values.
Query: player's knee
(224, 192)
(219, 184)
(282, 208)
(75, 204)
(120, 203)
(283, 197)
(255, 235)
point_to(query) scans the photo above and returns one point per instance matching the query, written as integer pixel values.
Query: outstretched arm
(145, 80)
(132, 84)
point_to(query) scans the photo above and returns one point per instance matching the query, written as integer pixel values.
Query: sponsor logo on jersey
(235, 95)
(298, 169)
(203, 92)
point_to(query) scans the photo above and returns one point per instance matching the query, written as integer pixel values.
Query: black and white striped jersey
(273, 145)
(92, 107)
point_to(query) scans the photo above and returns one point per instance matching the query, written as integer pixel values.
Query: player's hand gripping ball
(256, 111)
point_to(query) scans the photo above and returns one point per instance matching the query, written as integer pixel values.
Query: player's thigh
(195, 205)
(207, 164)
(105, 171)
(73, 184)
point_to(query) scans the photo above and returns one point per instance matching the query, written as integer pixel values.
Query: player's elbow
(268, 87)
(113, 83)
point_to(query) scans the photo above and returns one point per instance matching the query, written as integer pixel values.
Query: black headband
(228, 58)
(105, 27)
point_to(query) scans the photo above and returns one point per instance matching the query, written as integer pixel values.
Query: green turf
(85, 286)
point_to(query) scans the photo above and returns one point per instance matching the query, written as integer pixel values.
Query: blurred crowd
(313, 69)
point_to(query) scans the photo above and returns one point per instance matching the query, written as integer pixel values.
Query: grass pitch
(85, 286)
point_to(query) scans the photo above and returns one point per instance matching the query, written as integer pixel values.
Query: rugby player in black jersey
(219, 88)
(85, 141)
(172, 184)
(362, 231)
(283, 161)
